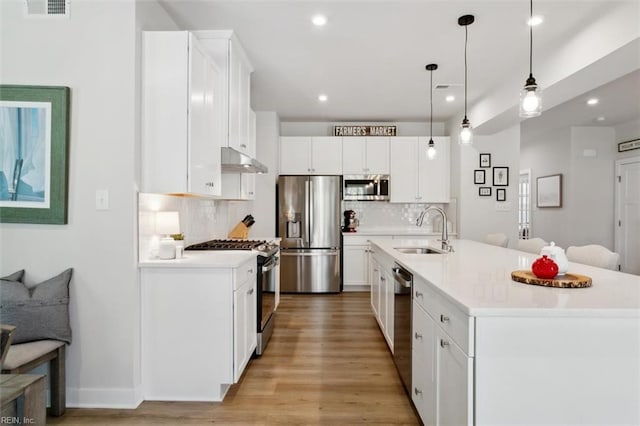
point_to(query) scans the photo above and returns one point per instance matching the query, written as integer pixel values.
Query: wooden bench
(24, 357)
(22, 399)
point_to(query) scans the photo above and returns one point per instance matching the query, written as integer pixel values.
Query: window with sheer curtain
(524, 205)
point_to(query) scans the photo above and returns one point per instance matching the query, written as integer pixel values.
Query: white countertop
(203, 259)
(477, 278)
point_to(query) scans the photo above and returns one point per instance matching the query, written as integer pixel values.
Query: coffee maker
(350, 221)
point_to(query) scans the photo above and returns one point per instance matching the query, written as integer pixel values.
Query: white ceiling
(370, 58)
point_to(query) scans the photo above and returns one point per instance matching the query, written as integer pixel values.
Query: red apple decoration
(544, 267)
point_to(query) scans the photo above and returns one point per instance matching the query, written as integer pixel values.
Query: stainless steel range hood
(236, 161)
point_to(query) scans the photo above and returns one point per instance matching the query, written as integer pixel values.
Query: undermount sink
(417, 250)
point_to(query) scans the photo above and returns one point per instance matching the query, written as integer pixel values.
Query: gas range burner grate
(226, 245)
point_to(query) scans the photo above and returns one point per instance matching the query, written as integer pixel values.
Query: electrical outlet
(102, 199)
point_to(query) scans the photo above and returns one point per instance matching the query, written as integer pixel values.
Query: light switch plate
(102, 199)
(503, 206)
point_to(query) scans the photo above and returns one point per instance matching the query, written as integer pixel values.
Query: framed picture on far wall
(485, 160)
(501, 194)
(478, 177)
(500, 176)
(549, 191)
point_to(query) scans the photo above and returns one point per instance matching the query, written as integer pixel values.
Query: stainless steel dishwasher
(403, 289)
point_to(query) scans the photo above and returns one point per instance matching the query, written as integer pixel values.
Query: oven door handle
(271, 264)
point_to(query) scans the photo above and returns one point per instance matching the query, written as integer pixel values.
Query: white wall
(479, 216)
(99, 63)
(586, 215)
(294, 128)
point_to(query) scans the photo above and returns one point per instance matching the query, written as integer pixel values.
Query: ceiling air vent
(48, 7)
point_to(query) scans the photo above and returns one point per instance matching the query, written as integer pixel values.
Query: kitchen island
(487, 350)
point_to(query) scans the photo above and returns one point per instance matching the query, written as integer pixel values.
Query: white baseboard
(124, 398)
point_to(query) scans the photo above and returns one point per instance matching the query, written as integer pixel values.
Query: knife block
(240, 232)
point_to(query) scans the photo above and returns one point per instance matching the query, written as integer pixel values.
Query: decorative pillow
(16, 276)
(39, 311)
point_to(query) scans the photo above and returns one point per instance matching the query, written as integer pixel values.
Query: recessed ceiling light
(450, 98)
(319, 20)
(323, 98)
(535, 20)
(600, 118)
(592, 101)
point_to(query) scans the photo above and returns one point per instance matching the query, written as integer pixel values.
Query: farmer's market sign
(364, 130)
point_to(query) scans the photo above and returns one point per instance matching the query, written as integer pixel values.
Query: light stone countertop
(395, 230)
(203, 259)
(477, 278)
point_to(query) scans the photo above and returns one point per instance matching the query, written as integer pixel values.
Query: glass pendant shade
(466, 133)
(431, 150)
(531, 100)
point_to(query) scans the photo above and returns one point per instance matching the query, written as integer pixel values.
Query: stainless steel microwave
(365, 187)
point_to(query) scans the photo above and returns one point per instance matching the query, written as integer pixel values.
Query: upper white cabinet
(181, 124)
(236, 69)
(365, 155)
(414, 178)
(305, 155)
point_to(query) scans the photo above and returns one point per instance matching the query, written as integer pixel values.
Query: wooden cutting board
(568, 280)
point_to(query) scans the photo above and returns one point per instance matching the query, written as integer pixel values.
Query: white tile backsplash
(201, 219)
(392, 215)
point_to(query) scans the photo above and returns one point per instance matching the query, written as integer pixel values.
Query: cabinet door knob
(243, 145)
(443, 343)
(383, 279)
(375, 270)
(250, 291)
(209, 184)
(250, 271)
(417, 391)
(418, 335)
(444, 318)
(418, 294)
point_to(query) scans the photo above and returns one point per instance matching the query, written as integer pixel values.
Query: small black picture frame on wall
(500, 176)
(479, 177)
(485, 160)
(484, 191)
(501, 194)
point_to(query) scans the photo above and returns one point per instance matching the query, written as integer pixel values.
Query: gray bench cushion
(38, 311)
(26, 352)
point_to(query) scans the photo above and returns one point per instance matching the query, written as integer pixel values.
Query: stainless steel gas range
(267, 275)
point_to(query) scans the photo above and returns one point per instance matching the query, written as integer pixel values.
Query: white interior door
(628, 214)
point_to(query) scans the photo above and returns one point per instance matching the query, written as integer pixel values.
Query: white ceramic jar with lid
(557, 254)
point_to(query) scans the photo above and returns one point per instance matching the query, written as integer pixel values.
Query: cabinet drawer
(244, 272)
(447, 316)
(455, 323)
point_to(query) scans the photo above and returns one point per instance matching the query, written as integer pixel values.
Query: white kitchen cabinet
(413, 177)
(198, 330)
(244, 317)
(356, 262)
(227, 51)
(365, 155)
(181, 120)
(442, 359)
(383, 295)
(305, 155)
(374, 282)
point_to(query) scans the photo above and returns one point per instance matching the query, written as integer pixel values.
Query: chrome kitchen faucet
(445, 234)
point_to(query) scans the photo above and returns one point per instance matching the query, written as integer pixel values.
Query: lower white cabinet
(442, 372)
(382, 293)
(198, 330)
(355, 267)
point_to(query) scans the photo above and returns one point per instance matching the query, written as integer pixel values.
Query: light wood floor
(326, 363)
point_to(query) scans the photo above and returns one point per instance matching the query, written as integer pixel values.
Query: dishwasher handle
(402, 277)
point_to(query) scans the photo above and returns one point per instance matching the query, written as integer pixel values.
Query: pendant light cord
(431, 107)
(465, 70)
(530, 38)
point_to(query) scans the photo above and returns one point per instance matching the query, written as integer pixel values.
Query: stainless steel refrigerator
(309, 225)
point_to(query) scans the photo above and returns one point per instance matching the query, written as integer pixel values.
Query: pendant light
(431, 150)
(531, 93)
(466, 134)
